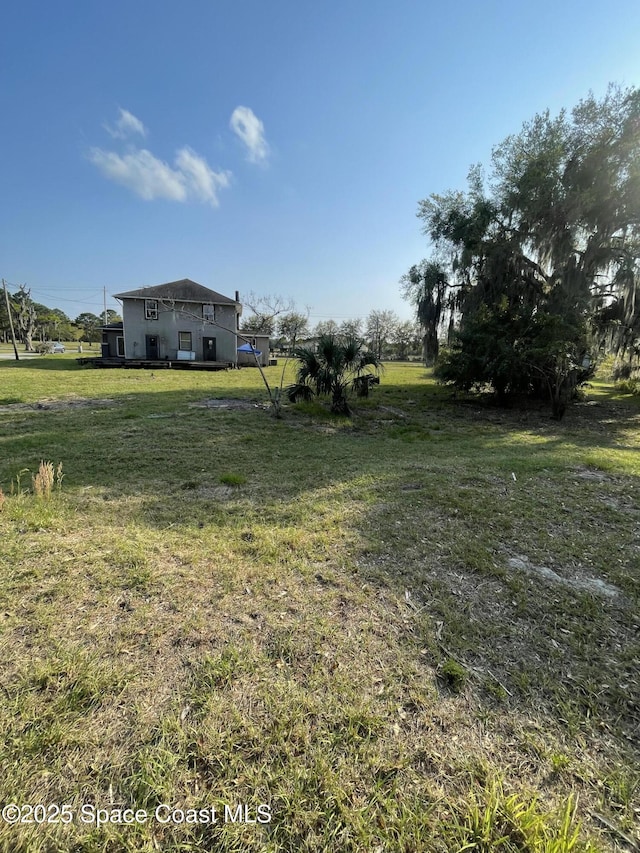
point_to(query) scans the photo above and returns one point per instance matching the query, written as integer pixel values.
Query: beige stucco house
(176, 321)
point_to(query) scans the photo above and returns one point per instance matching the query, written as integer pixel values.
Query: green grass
(351, 621)
(229, 478)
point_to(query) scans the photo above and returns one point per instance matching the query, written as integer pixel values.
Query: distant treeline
(36, 323)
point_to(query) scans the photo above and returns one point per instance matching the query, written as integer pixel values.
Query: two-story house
(179, 320)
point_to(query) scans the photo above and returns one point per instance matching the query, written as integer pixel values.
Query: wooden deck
(154, 364)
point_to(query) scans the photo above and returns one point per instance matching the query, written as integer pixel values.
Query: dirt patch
(398, 413)
(591, 474)
(207, 492)
(583, 584)
(58, 405)
(227, 403)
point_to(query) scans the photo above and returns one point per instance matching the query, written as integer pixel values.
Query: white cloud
(127, 125)
(201, 181)
(139, 170)
(189, 178)
(248, 127)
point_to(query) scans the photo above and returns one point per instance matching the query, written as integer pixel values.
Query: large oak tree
(542, 269)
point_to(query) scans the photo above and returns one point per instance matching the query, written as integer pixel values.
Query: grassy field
(416, 630)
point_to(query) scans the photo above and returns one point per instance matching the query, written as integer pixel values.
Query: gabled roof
(184, 290)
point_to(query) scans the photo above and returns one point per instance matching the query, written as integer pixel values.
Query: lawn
(414, 630)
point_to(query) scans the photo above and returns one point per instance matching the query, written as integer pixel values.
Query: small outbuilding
(252, 345)
(113, 340)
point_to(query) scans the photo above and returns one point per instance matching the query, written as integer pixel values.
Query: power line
(97, 303)
(63, 299)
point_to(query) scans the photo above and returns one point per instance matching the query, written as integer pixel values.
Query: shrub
(232, 479)
(517, 351)
(628, 386)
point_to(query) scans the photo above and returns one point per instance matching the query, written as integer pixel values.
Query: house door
(152, 346)
(209, 349)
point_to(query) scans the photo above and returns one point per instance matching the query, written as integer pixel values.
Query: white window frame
(209, 312)
(150, 309)
(120, 346)
(180, 346)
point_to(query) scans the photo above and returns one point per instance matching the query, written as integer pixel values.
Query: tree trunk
(451, 331)
(339, 403)
(430, 347)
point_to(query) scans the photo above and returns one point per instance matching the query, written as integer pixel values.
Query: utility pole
(104, 294)
(13, 334)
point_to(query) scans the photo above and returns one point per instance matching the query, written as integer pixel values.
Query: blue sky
(278, 147)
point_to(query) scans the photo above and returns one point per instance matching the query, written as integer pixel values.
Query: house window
(120, 346)
(151, 309)
(209, 313)
(184, 341)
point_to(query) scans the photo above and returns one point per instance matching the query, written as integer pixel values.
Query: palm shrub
(335, 367)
